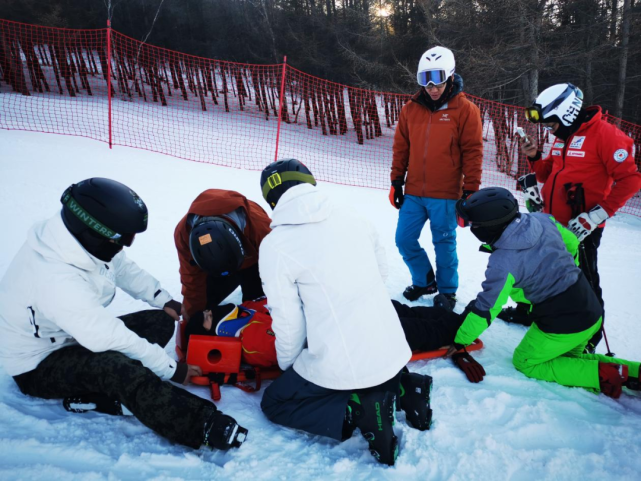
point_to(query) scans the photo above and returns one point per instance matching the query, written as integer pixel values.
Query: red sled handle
(419, 355)
(242, 380)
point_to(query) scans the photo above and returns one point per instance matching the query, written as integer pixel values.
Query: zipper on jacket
(427, 140)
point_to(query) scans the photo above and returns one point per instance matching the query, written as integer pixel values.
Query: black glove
(396, 195)
(467, 193)
(174, 306)
(466, 363)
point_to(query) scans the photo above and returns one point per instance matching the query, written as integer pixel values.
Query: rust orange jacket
(215, 202)
(440, 152)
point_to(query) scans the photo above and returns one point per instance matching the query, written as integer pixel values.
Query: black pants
(218, 288)
(588, 264)
(294, 402)
(169, 410)
(428, 328)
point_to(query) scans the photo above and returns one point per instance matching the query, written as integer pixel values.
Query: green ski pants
(560, 358)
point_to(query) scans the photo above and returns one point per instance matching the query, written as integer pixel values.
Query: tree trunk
(623, 59)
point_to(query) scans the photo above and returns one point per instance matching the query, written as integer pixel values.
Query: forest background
(506, 50)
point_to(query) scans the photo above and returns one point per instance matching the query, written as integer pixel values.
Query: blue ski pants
(414, 213)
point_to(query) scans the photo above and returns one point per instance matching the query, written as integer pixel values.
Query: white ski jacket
(322, 274)
(54, 295)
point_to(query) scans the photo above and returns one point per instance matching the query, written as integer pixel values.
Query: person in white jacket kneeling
(59, 341)
(338, 337)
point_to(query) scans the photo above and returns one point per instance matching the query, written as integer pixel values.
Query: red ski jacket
(599, 156)
(216, 202)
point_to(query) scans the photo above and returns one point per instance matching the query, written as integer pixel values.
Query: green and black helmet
(103, 215)
(282, 175)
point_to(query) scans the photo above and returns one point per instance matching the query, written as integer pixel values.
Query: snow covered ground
(507, 427)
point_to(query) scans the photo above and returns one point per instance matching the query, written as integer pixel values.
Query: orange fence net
(106, 86)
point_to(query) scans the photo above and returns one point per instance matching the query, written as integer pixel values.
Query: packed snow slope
(506, 427)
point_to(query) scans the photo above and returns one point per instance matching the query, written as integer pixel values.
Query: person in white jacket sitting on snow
(338, 337)
(59, 341)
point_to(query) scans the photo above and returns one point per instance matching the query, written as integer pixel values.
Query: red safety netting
(55, 80)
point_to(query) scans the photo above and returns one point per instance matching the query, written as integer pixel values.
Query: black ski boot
(516, 315)
(413, 292)
(445, 301)
(223, 432)
(373, 414)
(95, 402)
(415, 399)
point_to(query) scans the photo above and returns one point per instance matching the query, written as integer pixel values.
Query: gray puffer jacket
(533, 261)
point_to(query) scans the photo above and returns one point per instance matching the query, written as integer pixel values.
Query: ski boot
(373, 414)
(223, 432)
(445, 301)
(415, 399)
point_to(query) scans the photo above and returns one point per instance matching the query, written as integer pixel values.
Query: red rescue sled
(220, 360)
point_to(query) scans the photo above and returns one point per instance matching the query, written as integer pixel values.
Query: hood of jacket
(51, 239)
(523, 232)
(302, 204)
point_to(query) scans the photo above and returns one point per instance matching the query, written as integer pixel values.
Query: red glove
(396, 196)
(611, 378)
(466, 363)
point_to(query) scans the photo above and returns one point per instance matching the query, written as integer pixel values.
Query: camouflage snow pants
(169, 410)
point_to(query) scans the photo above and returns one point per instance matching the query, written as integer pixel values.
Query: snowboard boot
(223, 432)
(517, 315)
(612, 377)
(445, 301)
(95, 402)
(413, 292)
(373, 414)
(415, 399)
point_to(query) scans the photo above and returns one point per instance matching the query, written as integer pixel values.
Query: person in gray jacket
(533, 260)
(59, 341)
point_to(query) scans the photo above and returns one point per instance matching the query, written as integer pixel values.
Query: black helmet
(104, 215)
(488, 211)
(216, 246)
(282, 175)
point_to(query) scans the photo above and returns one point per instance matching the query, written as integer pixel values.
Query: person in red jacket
(588, 175)
(437, 159)
(217, 242)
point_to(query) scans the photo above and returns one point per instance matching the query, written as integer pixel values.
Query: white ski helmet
(559, 103)
(435, 67)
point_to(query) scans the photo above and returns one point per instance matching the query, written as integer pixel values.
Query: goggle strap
(86, 218)
(277, 179)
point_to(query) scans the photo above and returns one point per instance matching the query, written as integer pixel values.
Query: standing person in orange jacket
(588, 175)
(438, 155)
(217, 242)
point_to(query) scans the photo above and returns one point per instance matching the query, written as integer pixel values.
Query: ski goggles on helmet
(430, 78)
(533, 114)
(92, 223)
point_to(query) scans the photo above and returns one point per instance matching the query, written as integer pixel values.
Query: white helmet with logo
(559, 103)
(435, 67)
